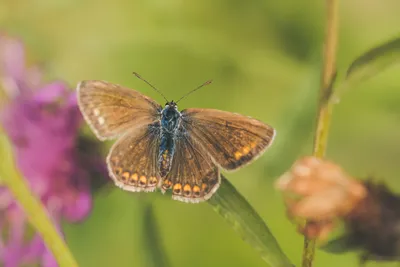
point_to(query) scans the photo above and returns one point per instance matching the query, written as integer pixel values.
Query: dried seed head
(319, 191)
(374, 225)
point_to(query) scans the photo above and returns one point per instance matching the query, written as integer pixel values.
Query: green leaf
(370, 64)
(32, 207)
(241, 216)
(339, 245)
(155, 255)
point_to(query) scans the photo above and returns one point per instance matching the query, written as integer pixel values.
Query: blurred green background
(264, 58)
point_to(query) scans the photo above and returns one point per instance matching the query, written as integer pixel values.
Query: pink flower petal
(80, 208)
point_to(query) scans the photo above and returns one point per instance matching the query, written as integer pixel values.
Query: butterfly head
(171, 104)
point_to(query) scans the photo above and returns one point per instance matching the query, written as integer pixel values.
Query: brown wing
(132, 161)
(233, 140)
(111, 109)
(193, 177)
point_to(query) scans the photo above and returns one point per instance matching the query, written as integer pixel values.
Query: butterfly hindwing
(233, 140)
(132, 161)
(189, 146)
(193, 177)
(111, 110)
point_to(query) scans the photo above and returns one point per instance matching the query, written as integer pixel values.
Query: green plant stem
(241, 216)
(154, 252)
(325, 105)
(32, 207)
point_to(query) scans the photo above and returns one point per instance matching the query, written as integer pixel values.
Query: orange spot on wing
(177, 188)
(125, 176)
(246, 150)
(187, 189)
(196, 191)
(204, 186)
(153, 180)
(142, 180)
(238, 155)
(167, 184)
(134, 177)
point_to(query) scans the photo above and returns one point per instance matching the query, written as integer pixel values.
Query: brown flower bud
(319, 191)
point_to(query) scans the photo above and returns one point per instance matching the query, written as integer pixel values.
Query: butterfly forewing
(233, 140)
(132, 161)
(193, 143)
(111, 109)
(194, 177)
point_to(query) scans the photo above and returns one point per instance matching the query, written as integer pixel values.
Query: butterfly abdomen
(167, 149)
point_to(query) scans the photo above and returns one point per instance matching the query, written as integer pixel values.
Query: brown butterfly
(167, 149)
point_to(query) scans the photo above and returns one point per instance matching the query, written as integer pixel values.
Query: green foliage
(338, 245)
(154, 251)
(242, 217)
(370, 64)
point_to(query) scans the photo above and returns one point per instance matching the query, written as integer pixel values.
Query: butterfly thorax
(170, 118)
(170, 121)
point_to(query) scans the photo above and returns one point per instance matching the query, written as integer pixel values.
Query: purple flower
(42, 121)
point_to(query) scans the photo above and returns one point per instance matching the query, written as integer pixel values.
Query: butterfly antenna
(152, 86)
(194, 90)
